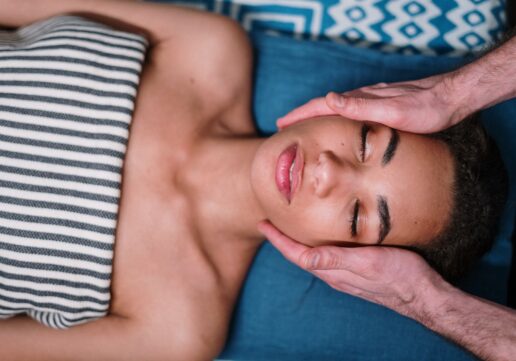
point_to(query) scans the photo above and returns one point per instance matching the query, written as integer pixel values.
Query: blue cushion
(434, 27)
(285, 313)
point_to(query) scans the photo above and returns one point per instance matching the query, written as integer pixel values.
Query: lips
(288, 171)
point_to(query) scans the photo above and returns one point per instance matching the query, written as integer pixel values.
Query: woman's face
(336, 181)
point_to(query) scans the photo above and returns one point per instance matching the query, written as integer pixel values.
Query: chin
(262, 177)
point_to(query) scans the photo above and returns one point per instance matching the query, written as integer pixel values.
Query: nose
(331, 173)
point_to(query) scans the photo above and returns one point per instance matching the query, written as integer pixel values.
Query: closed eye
(354, 218)
(365, 130)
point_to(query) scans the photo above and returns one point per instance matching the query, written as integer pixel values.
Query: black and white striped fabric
(67, 93)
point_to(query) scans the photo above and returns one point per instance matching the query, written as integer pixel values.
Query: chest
(161, 263)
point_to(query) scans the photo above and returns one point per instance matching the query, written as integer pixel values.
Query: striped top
(67, 93)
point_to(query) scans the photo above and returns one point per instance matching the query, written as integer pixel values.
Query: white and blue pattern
(430, 27)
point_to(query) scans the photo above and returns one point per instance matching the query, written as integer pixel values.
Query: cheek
(310, 224)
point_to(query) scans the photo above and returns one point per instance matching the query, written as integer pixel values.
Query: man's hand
(402, 281)
(392, 277)
(420, 106)
(427, 105)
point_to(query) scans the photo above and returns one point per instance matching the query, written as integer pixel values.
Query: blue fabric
(430, 27)
(285, 313)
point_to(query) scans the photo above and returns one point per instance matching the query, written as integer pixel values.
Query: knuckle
(331, 260)
(353, 105)
(320, 258)
(310, 259)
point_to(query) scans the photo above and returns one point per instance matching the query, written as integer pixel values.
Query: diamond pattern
(414, 8)
(430, 27)
(474, 18)
(472, 40)
(356, 13)
(354, 35)
(411, 30)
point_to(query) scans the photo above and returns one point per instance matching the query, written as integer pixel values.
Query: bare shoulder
(214, 62)
(212, 48)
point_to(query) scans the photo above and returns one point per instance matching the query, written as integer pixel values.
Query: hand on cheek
(392, 277)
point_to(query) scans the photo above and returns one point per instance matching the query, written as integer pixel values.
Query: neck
(219, 186)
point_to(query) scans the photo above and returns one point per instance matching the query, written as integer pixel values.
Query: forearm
(487, 81)
(157, 21)
(109, 338)
(23, 12)
(486, 329)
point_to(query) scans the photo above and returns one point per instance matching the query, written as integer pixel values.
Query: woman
(197, 180)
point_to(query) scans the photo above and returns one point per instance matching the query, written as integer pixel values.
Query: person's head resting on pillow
(364, 183)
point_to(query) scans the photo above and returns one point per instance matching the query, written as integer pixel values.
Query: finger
(348, 282)
(292, 250)
(361, 261)
(314, 108)
(340, 276)
(327, 258)
(378, 85)
(361, 108)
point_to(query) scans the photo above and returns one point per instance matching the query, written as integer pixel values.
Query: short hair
(480, 189)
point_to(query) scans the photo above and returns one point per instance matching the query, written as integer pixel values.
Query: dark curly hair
(479, 195)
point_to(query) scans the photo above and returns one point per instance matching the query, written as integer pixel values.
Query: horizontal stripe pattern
(67, 92)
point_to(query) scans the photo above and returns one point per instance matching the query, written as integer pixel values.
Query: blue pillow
(285, 313)
(437, 27)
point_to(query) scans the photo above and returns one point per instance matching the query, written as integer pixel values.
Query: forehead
(326, 126)
(418, 184)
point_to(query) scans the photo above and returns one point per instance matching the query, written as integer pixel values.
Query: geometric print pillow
(429, 27)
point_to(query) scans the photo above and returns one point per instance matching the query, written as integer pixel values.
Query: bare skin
(183, 244)
(162, 307)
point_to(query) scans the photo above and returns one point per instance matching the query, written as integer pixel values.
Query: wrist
(485, 82)
(434, 296)
(463, 96)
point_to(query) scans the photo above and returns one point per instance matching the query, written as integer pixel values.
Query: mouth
(289, 171)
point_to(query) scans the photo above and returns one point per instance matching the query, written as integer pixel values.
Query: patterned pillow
(67, 93)
(430, 27)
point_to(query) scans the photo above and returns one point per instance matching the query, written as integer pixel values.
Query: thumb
(324, 258)
(361, 108)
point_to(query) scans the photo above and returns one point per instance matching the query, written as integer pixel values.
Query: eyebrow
(385, 219)
(391, 147)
